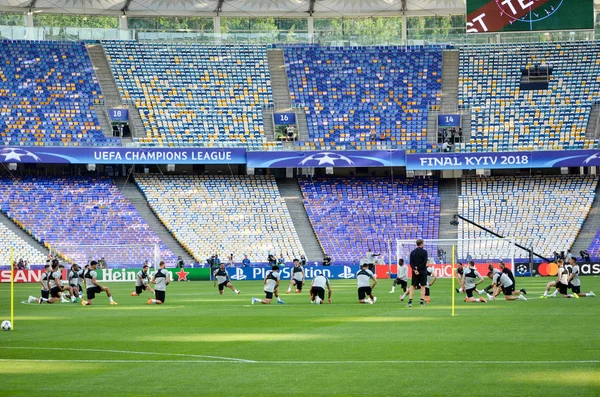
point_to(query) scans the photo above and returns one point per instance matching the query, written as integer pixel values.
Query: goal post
(118, 255)
(445, 255)
(440, 253)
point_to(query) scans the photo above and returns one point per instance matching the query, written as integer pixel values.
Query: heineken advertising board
(128, 275)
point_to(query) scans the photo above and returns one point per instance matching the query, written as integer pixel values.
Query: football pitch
(201, 343)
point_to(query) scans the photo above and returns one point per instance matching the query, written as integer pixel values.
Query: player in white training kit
(298, 276)
(317, 290)
(575, 282)
(222, 277)
(503, 283)
(458, 274)
(561, 284)
(92, 286)
(554, 284)
(74, 280)
(431, 279)
(141, 282)
(161, 279)
(45, 290)
(469, 283)
(401, 278)
(365, 289)
(271, 283)
(55, 285)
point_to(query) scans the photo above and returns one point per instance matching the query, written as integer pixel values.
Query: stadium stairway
(281, 97)
(131, 192)
(592, 130)
(104, 75)
(449, 190)
(107, 84)
(449, 101)
(590, 226)
(23, 234)
(290, 191)
(279, 80)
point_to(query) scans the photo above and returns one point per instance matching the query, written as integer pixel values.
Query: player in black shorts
(45, 292)
(92, 286)
(222, 277)
(418, 264)
(317, 290)
(141, 282)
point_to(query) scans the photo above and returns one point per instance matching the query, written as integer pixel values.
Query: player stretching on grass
(459, 277)
(469, 285)
(401, 278)
(365, 288)
(161, 279)
(503, 282)
(222, 277)
(74, 279)
(557, 284)
(317, 290)
(45, 292)
(574, 282)
(491, 289)
(431, 279)
(298, 276)
(271, 283)
(56, 288)
(92, 286)
(141, 282)
(418, 263)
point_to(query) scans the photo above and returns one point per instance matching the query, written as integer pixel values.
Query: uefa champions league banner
(325, 158)
(259, 273)
(503, 160)
(120, 155)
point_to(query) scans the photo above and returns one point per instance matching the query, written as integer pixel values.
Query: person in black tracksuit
(418, 264)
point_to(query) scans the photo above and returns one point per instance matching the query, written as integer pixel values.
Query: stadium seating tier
(82, 219)
(224, 215)
(351, 215)
(49, 94)
(542, 212)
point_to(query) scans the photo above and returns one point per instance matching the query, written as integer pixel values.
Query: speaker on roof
(91, 167)
(564, 170)
(12, 166)
(410, 174)
(249, 171)
(483, 172)
(146, 170)
(170, 167)
(329, 170)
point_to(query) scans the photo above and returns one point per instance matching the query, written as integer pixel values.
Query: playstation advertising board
(259, 273)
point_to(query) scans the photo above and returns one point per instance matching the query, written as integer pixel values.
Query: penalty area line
(350, 362)
(224, 359)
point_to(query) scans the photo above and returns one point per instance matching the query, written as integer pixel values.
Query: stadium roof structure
(239, 8)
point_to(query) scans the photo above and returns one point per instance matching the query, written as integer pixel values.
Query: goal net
(445, 254)
(119, 256)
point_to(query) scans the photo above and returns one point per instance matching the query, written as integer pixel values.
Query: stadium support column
(311, 29)
(29, 29)
(217, 28)
(124, 28)
(404, 29)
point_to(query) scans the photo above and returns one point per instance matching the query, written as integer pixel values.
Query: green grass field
(200, 343)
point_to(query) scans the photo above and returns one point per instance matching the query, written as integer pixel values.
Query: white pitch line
(352, 362)
(128, 352)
